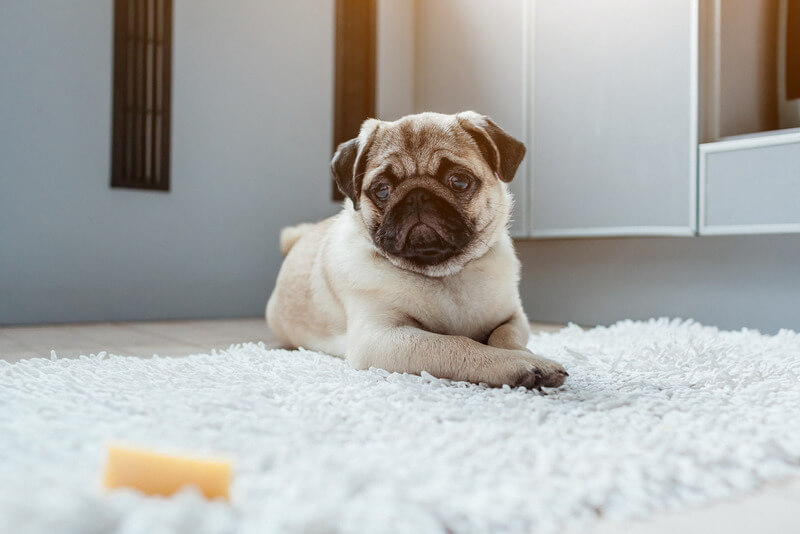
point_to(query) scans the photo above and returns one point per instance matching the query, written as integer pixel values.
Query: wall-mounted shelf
(750, 184)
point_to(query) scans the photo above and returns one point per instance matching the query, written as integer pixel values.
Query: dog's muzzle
(429, 229)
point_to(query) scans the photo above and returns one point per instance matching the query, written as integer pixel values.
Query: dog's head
(430, 188)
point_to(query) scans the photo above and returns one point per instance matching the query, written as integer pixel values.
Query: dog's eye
(459, 183)
(382, 191)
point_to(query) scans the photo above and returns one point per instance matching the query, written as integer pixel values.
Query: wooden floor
(770, 510)
(143, 339)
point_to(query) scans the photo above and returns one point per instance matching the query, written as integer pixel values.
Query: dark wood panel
(355, 70)
(142, 94)
(793, 50)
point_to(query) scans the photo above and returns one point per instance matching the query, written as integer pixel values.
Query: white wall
(395, 76)
(251, 143)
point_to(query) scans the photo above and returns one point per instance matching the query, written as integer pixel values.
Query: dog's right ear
(343, 169)
(350, 162)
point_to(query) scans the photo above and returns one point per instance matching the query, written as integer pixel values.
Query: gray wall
(727, 281)
(251, 142)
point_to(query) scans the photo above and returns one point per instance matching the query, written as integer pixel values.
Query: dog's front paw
(537, 372)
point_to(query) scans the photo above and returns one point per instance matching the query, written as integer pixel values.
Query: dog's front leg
(409, 349)
(514, 334)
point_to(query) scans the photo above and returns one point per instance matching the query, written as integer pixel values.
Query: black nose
(418, 199)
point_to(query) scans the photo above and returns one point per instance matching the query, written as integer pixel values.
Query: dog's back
(297, 312)
(292, 234)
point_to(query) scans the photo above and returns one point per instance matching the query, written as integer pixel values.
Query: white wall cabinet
(614, 118)
(607, 96)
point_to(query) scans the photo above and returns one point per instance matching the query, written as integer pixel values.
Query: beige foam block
(161, 474)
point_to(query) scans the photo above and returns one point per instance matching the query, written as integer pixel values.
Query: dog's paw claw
(536, 379)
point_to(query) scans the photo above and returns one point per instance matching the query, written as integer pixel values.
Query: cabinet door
(470, 56)
(614, 118)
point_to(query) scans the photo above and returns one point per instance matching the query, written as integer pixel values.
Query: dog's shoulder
(352, 259)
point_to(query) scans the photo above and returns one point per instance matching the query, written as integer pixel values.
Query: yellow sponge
(161, 474)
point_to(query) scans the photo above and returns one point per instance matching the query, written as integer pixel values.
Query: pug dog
(418, 271)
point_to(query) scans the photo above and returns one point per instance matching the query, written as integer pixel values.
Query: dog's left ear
(350, 161)
(500, 150)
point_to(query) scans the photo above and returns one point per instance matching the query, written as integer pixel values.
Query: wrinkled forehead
(414, 147)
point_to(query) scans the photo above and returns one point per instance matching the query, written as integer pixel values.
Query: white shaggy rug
(657, 415)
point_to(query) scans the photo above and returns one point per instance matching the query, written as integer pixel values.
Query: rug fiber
(655, 415)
